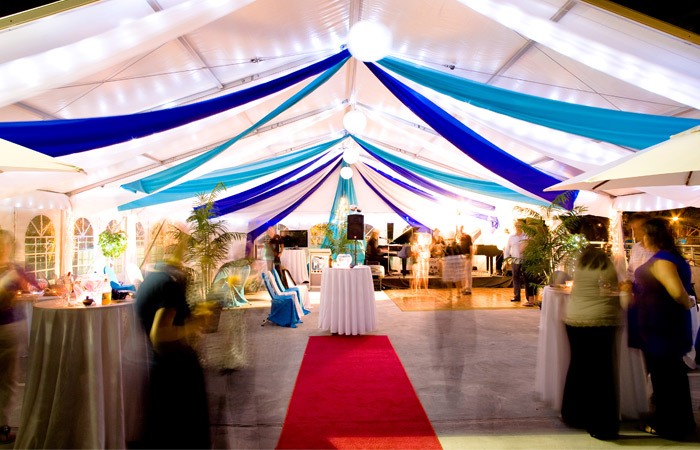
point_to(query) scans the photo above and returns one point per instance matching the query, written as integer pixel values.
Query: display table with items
(553, 356)
(295, 261)
(86, 376)
(347, 301)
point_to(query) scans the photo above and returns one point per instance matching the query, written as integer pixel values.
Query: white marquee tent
(125, 57)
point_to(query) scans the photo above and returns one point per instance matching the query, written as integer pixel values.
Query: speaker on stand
(355, 231)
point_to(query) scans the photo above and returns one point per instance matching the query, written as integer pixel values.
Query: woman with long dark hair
(662, 303)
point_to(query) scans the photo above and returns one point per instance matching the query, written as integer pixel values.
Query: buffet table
(294, 260)
(86, 376)
(553, 357)
(347, 301)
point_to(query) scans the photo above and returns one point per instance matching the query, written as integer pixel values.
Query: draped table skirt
(553, 356)
(347, 301)
(87, 371)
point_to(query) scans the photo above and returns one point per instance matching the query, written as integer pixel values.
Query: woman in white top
(592, 317)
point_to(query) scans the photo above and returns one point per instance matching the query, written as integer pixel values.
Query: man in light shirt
(514, 249)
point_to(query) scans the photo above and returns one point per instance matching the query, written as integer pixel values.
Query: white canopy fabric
(670, 170)
(15, 158)
(117, 57)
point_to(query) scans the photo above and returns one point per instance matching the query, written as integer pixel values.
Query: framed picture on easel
(318, 260)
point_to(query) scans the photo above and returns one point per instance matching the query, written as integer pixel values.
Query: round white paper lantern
(369, 41)
(351, 155)
(346, 173)
(354, 121)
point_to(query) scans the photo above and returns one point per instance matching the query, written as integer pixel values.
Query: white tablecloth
(86, 377)
(347, 301)
(553, 356)
(295, 262)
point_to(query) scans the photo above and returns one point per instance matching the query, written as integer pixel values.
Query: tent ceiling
(268, 38)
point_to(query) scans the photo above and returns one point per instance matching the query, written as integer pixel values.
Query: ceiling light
(346, 173)
(351, 155)
(369, 41)
(354, 122)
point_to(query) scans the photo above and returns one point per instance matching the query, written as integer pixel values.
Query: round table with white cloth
(347, 301)
(553, 356)
(86, 376)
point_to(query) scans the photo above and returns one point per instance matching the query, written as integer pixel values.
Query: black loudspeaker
(356, 226)
(389, 231)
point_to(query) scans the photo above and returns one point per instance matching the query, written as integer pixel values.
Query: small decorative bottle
(106, 292)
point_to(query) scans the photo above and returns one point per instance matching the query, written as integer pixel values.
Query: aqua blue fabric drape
(64, 137)
(469, 142)
(158, 180)
(252, 235)
(624, 128)
(230, 177)
(344, 197)
(236, 202)
(411, 171)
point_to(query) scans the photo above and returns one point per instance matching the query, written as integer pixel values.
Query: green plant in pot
(336, 239)
(552, 244)
(112, 243)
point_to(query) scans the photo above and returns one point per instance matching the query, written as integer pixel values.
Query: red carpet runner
(353, 393)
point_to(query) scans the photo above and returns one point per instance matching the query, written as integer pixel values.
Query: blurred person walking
(13, 279)
(593, 315)
(661, 305)
(178, 413)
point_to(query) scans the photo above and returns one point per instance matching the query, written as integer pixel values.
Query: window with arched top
(140, 243)
(40, 248)
(83, 247)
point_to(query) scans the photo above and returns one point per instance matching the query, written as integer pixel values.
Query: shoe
(467, 292)
(6, 435)
(605, 436)
(528, 304)
(514, 299)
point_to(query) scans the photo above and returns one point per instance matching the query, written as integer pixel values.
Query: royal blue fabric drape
(469, 142)
(417, 174)
(408, 219)
(253, 234)
(161, 179)
(64, 137)
(236, 202)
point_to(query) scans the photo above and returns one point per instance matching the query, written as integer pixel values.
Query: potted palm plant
(552, 243)
(208, 242)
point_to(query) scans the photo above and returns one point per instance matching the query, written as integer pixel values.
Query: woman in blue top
(661, 296)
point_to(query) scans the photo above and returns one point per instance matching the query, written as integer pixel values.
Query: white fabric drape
(659, 65)
(24, 77)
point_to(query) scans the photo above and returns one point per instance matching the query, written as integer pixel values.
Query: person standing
(466, 249)
(638, 256)
(514, 249)
(662, 306)
(177, 414)
(593, 315)
(274, 246)
(13, 278)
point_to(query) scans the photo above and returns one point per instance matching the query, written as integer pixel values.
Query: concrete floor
(473, 371)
